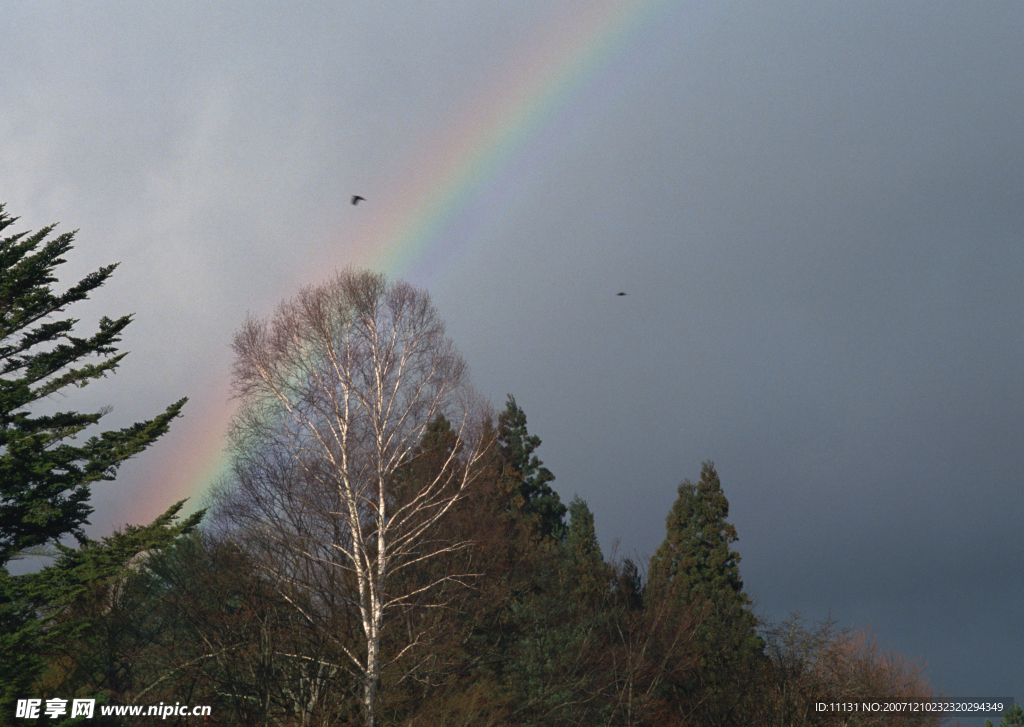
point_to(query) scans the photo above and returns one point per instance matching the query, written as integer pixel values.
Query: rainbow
(558, 65)
(588, 51)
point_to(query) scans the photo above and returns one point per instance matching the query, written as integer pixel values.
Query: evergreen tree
(627, 585)
(562, 628)
(589, 574)
(67, 616)
(696, 556)
(431, 459)
(44, 479)
(526, 476)
(696, 569)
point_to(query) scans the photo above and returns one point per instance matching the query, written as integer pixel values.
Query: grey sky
(816, 209)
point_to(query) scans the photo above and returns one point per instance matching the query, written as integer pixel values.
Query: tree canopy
(526, 476)
(385, 549)
(346, 457)
(44, 478)
(696, 569)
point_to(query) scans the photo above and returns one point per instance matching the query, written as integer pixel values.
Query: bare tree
(337, 390)
(812, 664)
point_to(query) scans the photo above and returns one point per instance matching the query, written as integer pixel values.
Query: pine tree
(696, 569)
(526, 475)
(44, 479)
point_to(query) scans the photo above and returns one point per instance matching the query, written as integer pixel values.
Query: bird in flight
(356, 199)
(620, 294)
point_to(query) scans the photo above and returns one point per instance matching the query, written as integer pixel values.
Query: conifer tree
(590, 574)
(44, 478)
(696, 556)
(433, 457)
(526, 475)
(696, 569)
(57, 614)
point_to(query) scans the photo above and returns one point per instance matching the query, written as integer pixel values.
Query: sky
(815, 209)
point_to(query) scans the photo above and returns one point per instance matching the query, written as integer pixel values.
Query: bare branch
(338, 391)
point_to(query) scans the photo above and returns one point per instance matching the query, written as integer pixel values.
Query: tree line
(386, 549)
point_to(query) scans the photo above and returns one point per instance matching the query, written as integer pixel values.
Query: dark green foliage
(44, 480)
(627, 585)
(550, 668)
(435, 458)
(589, 577)
(526, 475)
(581, 539)
(696, 557)
(512, 643)
(556, 628)
(60, 616)
(223, 635)
(1013, 717)
(696, 569)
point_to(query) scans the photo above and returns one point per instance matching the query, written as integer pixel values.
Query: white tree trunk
(337, 391)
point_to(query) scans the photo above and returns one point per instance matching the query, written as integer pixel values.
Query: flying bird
(620, 294)
(356, 199)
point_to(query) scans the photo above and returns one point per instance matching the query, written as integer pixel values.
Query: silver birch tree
(336, 391)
